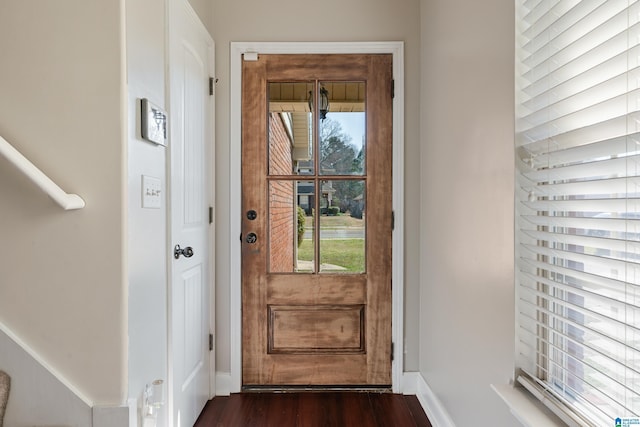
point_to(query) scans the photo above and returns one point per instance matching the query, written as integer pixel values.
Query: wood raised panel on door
(316, 329)
(191, 297)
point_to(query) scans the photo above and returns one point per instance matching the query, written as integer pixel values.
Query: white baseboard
(410, 383)
(223, 383)
(133, 412)
(414, 383)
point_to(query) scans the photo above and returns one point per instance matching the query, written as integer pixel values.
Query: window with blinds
(578, 206)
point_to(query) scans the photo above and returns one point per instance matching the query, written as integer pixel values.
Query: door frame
(237, 50)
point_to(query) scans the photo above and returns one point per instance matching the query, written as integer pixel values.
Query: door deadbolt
(251, 238)
(186, 252)
(251, 215)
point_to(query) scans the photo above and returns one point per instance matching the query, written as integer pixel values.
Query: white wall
(147, 230)
(466, 297)
(290, 20)
(61, 273)
(204, 10)
(38, 398)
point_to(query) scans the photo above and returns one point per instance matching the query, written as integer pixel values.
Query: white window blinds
(578, 206)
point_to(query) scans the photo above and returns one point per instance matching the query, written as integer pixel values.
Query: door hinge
(212, 83)
(393, 220)
(210, 342)
(392, 347)
(393, 89)
(210, 214)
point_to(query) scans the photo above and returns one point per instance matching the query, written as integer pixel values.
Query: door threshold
(316, 389)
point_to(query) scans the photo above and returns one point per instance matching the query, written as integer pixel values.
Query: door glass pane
(290, 128)
(291, 237)
(342, 226)
(342, 128)
(305, 254)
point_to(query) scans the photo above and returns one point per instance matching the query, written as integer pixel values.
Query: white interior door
(190, 150)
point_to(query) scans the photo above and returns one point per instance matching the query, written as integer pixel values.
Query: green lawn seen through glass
(347, 253)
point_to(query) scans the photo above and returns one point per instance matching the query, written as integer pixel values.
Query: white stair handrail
(66, 201)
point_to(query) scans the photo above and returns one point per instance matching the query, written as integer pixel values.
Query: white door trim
(235, 157)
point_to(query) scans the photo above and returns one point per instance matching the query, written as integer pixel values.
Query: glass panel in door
(342, 227)
(341, 128)
(290, 128)
(291, 226)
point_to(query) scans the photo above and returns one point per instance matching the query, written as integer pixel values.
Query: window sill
(526, 408)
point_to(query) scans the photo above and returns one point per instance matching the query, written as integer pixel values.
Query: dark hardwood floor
(313, 409)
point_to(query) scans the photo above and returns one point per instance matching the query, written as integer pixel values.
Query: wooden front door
(317, 220)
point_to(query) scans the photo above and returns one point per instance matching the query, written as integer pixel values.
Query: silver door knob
(186, 252)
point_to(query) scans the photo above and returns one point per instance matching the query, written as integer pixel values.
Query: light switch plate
(151, 192)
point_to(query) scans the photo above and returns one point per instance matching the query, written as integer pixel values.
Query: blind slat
(591, 360)
(604, 308)
(619, 384)
(611, 225)
(610, 168)
(590, 339)
(601, 246)
(559, 102)
(611, 268)
(572, 64)
(592, 115)
(598, 342)
(608, 148)
(566, 80)
(603, 130)
(557, 19)
(592, 189)
(592, 316)
(581, 33)
(604, 207)
(574, 279)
